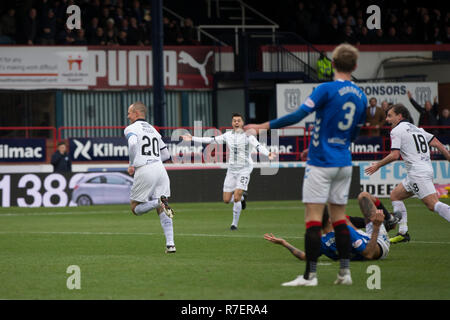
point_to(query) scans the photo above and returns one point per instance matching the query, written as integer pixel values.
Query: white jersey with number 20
(149, 142)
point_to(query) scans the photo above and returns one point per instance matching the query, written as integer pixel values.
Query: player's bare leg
(228, 197)
(397, 196)
(343, 242)
(433, 204)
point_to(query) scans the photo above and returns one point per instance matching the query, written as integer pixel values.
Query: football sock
(358, 222)
(343, 245)
(399, 206)
(167, 225)
(237, 207)
(145, 207)
(312, 248)
(443, 210)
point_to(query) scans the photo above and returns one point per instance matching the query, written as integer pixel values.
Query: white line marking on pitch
(178, 234)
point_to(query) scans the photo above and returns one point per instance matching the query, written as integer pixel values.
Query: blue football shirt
(358, 239)
(340, 108)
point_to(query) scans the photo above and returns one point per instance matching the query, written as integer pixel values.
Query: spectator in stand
(111, 38)
(170, 31)
(105, 17)
(428, 114)
(364, 37)
(80, 38)
(378, 37)
(48, 28)
(188, 32)
(8, 26)
(60, 9)
(137, 11)
(66, 36)
(348, 36)
(444, 120)
(408, 36)
(302, 19)
(436, 38)
(375, 117)
(425, 29)
(333, 31)
(392, 36)
(119, 17)
(110, 26)
(446, 38)
(135, 33)
(92, 29)
(98, 39)
(31, 27)
(122, 38)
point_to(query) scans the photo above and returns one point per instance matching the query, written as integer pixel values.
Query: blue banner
(98, 149)
(22, 150)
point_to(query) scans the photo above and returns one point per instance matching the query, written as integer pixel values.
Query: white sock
(399, 206)
(443, 210)
(167, 225)
(237, 207)
(146, 207)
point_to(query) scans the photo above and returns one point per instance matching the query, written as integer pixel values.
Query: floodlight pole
(157, 42)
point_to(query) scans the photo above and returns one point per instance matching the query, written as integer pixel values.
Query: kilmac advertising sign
(95, 67)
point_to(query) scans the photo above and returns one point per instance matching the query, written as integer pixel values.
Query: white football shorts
(326, 184)
(237, 179)
(421, 186)
(383, 239)
(150, 182)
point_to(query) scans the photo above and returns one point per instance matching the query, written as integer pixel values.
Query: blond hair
(345, 57)
(140, 108)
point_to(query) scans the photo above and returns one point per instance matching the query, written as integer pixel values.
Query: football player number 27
(349, 108)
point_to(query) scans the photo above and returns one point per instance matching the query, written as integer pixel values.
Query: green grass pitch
(121, 256)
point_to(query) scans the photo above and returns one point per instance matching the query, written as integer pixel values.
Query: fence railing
(302, 136)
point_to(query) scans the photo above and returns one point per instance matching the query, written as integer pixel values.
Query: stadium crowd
(128, 22)
(103, 22)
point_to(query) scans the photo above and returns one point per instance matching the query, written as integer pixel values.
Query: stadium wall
(198, 185)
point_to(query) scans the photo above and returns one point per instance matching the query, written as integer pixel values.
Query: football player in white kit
(151, 186)
(413, 144)
(240, 163)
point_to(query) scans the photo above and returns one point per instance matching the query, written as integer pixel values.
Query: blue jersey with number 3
(340, 108)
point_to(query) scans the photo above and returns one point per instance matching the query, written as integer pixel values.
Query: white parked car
(102, 188)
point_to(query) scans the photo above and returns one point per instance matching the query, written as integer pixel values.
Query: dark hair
(61, 143)
(401, 109)
(236, 114)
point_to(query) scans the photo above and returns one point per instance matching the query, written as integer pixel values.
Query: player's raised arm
(442, 149)
(372, 250)
(216, 139)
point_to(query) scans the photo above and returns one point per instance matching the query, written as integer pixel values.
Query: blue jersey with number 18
(340, 108)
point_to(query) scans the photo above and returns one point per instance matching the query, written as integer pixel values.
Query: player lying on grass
(370, 245)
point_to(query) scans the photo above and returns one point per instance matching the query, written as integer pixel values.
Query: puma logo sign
(186, 58)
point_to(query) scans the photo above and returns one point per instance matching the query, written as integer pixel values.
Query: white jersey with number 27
(413, 144)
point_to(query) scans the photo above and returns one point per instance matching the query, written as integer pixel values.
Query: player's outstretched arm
(394, 155)
(442, 149)
(372, 250)
(296, 252)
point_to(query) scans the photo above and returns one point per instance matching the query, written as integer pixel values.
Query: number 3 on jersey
(149, 147)
(349, 115)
